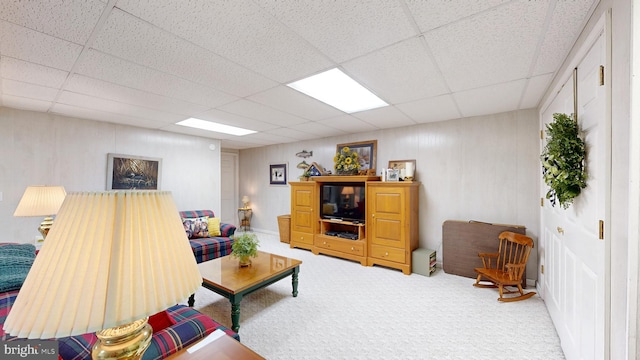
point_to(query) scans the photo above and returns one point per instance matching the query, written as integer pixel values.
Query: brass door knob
(560, 230)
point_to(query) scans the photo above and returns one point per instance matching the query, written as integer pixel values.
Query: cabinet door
(303, 217)
(387, 224)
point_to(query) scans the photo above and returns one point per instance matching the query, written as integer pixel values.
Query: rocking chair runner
(507, 266)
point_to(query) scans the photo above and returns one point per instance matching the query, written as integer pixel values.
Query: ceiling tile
(240, 30)
(134, 40)
(26, 90)
(433, 14)
(349, 124)
(261, 112)
(534, 91)
(294, 102)
(344, 29)
(438, 108)
(318, 129)
(71, 20)
(25, 103)
(106, 116)
(566, 22)
(102, 89)
(15, 69)
(108, 68)
(490, 47)
(399, 73)
(384, 117)
(491, 99)
(114, 107)
(29, 45)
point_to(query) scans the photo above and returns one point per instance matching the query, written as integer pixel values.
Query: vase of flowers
(346, 162)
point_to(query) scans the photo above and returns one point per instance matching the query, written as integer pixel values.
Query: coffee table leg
(192, 300)
(294, 280)
(235, 312)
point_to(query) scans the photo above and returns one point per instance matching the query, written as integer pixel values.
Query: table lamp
(111, 260)
(245, 201)
(41, 201)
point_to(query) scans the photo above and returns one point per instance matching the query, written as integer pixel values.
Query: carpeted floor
(348, 311)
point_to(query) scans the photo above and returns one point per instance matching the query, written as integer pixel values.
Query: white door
(229, 188)
(575, 276)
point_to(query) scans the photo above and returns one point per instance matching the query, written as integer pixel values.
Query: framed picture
(393, 175)
(407, 168)
(278, 174)
(133, 172)
(366, 151)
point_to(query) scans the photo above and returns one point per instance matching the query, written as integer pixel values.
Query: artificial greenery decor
(563, 161)
(244, 247)
(346, 162)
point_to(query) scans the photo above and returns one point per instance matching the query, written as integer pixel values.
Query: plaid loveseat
(209, 247)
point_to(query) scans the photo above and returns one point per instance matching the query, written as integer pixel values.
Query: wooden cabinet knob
(386, 254)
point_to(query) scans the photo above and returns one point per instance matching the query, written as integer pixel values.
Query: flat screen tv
(343, 201)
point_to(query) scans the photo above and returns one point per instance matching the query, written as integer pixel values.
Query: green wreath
(563, 161)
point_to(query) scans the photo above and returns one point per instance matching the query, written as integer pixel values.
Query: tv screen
(344, 201)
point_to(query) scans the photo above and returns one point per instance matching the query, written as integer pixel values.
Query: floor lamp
(111, 259)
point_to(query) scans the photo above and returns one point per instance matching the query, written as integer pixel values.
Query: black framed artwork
(278, 174)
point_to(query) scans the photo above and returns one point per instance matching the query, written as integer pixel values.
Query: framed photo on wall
(126, 172)
(278, 174)
(366, 151)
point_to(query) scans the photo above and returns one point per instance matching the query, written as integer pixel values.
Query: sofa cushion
(160, 321)
(15, 263)
(196, 227)
(214, 227)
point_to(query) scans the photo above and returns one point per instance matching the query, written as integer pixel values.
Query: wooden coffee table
(225, 277)
(223, 348)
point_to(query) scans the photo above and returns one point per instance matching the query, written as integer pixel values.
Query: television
(343, 201)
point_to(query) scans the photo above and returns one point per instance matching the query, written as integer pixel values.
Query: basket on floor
(284, 225)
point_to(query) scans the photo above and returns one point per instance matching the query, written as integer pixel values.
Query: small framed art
(407, 168)
(278, 174)
(366, 151)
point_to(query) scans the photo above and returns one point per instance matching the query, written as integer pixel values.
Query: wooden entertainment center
(387, 236)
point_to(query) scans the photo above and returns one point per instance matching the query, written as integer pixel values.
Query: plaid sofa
(190, 326)
(209, 248)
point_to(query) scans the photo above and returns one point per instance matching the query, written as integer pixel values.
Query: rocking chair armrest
(486, 260)
(514, 270)
(492, 255)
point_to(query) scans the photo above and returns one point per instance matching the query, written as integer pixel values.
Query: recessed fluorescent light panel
(335, 88)
(211, 126)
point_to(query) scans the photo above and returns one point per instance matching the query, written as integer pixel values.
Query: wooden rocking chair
(507, 266)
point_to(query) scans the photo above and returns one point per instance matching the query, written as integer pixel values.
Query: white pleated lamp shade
(110, 258)
(40, 201)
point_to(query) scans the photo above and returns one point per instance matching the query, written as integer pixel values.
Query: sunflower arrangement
(346, 161)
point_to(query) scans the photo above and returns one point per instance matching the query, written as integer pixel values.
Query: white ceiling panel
(385, 117)
(492, 47)
(261, 112)
(29, 45)
(294, 102)
(71, 20)
(26, 90)
(434, 109)
(486, 100)
(344, 29)
(414, 75)
(151, 63)
(15, 69)
(102, 89)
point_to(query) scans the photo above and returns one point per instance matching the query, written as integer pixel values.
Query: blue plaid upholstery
(190, 326)
(205, 249)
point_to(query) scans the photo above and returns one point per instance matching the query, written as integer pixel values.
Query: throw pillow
(196, 227)
(214, 227)
(15, 263)
(160, 321)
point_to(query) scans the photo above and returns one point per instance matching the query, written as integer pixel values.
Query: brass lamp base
(45, 225)
(127, 341)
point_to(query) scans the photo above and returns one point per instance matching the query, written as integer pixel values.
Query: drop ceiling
(152, 63)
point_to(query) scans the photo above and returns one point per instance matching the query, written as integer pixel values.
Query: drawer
(302, 238)
(346, 246)
(387, 253)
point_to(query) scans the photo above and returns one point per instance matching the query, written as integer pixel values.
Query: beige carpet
(348, 311)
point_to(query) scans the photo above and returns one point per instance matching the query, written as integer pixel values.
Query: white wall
(45, 149)
(483, 168)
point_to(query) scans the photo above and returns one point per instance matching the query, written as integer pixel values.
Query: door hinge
(542, 269)
(601, 75)
(601, 229)
(541, 134)
(541, 202)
